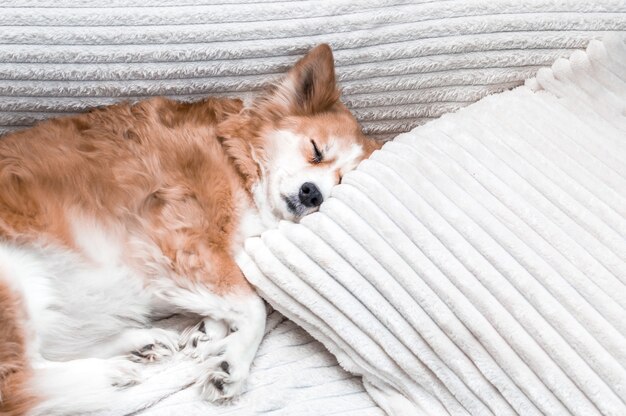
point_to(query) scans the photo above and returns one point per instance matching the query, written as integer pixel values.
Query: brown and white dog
(116, 217)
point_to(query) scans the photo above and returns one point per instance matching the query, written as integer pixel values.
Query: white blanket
(400, 62)
(292, 375)
(477, 265)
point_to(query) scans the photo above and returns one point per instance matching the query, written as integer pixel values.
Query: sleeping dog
(122, 215)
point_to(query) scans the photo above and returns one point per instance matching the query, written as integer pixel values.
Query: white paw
(151, 353)
(204, 331)
(153, 344)
(224, 381)
(225, 366)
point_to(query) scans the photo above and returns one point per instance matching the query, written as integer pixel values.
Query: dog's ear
(239, 139)
(308, 88)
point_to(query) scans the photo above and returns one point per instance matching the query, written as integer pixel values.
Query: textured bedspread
(292, 375)
(400, 62)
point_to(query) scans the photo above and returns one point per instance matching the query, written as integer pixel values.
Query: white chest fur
(250, 223)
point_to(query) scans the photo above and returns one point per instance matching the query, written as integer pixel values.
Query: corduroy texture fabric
(292, 375)
(400, 63)
(477, 265)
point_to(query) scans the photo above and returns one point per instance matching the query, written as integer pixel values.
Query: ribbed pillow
(477, 264)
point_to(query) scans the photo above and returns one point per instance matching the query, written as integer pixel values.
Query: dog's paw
(205, 331)
(225, 380)
(225, 353)
(226, 363)
(224, 367)
(151, 353)
(155, 344)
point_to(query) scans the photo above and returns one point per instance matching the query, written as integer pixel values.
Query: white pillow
(477, 264)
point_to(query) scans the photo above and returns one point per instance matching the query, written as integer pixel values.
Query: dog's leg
(111, 386)
(76, 309)
(228, 359)
(140, 344)
(69, 387)
(226, 356)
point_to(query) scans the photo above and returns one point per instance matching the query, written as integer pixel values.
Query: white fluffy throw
(400, 63)
(477, 265)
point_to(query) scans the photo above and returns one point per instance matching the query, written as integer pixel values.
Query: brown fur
(146, 166)
(15, 398)
(171, 172)
(306, 102)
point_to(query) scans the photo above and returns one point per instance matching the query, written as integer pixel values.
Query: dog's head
(295, 142)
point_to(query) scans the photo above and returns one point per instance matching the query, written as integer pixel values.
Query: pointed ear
(308, 88)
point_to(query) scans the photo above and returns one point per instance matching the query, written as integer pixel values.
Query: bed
(400, 64)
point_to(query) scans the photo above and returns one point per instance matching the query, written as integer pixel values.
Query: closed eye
(318, 156)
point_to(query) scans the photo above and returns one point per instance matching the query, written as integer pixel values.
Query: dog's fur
(114, 218)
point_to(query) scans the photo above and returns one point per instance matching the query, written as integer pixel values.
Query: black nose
(310, 195)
